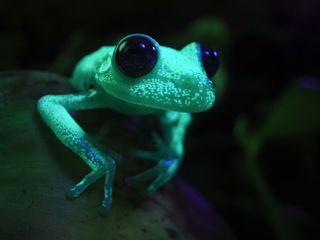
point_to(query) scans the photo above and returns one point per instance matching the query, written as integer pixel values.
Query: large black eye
(136, 55)
(210, 60)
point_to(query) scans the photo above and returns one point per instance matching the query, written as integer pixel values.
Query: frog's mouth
(194, 95)
(159, 95)
(169, 97)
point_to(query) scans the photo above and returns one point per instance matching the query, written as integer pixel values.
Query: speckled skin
(175, 87)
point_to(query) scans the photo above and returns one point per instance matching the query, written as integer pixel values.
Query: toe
(105, 207)
(71, 194)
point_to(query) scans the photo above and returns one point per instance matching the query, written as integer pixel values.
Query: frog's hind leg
(146, 175)
(54, 111)
(161, 173)
(154, 156)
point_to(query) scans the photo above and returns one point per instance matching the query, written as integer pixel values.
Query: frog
(136, 77)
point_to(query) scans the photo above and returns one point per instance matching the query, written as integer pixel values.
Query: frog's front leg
(170, 151)
(54, 111)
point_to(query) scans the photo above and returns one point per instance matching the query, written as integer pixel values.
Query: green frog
(135, 77)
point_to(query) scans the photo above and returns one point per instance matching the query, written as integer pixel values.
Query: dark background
(255, 155)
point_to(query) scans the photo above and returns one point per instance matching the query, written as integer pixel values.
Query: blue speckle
(88, 150)
(168, 162)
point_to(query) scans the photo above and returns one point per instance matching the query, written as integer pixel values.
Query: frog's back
(84, 73)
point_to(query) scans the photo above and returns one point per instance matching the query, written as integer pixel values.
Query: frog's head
(142, 72)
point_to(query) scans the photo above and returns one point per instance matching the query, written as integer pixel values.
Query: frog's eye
(210, 60)
(136, 55)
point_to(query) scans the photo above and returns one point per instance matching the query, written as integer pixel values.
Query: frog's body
(175, 85)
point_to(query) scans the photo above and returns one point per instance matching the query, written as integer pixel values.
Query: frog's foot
(93, 176)
(162, 172)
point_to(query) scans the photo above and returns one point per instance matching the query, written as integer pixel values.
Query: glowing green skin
(175, 87)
